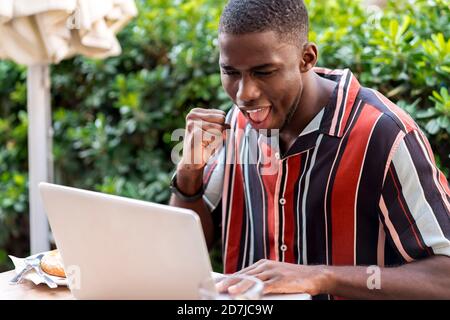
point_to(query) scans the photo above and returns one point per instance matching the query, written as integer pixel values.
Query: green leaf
(438, 97)
(426, 113)
(393, 30)
(404, 27)
(444, 122)
(432, 126)
(3, 256)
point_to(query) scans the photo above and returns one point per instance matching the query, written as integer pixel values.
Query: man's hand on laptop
(282, 277)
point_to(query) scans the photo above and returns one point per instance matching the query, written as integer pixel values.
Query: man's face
(261, 74)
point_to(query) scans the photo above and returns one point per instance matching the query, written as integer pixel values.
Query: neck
(315, 95)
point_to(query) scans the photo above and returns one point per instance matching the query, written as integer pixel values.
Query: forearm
(425, 279)
(190, 183)
(202, 210)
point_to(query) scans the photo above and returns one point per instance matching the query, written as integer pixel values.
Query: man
(319, 177)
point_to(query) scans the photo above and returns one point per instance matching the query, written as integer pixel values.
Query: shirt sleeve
(213, 180)
(415, 200)
(213, 174)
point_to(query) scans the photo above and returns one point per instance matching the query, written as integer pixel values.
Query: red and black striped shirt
(358, 187)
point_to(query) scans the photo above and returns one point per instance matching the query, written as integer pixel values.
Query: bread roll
(51, 263)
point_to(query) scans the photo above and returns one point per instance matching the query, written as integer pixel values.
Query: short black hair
(288, 18)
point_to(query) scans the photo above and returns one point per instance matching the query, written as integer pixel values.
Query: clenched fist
(203, 137)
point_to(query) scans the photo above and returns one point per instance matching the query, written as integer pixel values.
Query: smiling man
(319, 177)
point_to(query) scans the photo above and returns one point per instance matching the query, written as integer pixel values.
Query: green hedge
(113, 118)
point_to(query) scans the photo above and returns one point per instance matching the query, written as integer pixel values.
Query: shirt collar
(314, 124)
(337, 112)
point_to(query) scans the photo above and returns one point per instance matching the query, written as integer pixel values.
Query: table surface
(27, 290)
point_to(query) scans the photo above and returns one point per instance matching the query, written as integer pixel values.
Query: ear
(309, 57)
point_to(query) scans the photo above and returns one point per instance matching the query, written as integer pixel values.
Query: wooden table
(29, 291)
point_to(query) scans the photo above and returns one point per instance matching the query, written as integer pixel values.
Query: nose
(248, 90)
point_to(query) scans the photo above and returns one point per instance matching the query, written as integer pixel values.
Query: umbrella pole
(40, 162)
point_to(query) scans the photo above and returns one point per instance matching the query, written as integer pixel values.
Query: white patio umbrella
(37, 33)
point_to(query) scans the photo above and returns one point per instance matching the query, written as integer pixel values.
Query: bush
(113, 118)
(403, 52)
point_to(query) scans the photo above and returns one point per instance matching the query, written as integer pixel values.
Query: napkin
(19, 264)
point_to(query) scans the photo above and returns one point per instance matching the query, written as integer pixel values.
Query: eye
(230, 72)
(264, 73)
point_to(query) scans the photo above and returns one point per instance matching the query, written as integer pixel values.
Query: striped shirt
(359, 186)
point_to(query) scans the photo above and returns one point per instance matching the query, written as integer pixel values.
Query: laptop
(120, 248)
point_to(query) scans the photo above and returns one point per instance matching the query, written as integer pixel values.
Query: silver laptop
(119, 248)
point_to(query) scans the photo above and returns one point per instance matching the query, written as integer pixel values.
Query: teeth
(254, 111)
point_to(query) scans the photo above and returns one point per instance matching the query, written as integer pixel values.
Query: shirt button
(277, 155)
(282, 201)
(283, 248)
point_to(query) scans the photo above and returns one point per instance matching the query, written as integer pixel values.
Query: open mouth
(259, 115)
